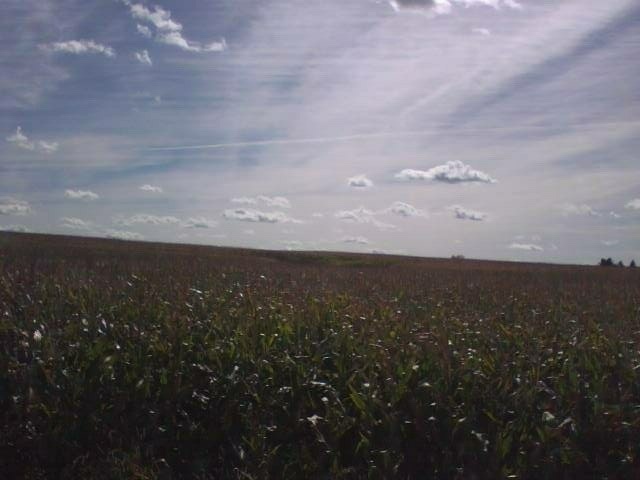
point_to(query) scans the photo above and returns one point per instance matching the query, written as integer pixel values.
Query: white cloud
(317, 215)
(451, 172)
(144, 30)
(143, 218)
(280, 202)
(79, 47)
(405, 210)
(610, 243)
(143, 57)
(436, 7)
(359, 181)
(199, 222)
(252, 215)
(275, 201)
(292, 244)
(356, 240)
(14, 228)
(568, 209)
(167, 30)
(20, 140)
(81, 195)
(443, 7)
(529, 247)
(362, 215)
(122, 235)
(150, 188)
(176, 39)
(244, 200)
(462, 213)
(10, 206)
(76, 223)
(485, 32)
(48, 147)
(633, 204)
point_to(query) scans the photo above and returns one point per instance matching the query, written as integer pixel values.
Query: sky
(495, 129)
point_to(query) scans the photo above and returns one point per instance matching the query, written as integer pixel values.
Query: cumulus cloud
(20, 140)
(292, 244)
(122, 235)
(610, 243)
(451, 172)
(405, 210)
(485, 32)
(529, 247)
(11, 206)
(462, 213)
(280, 202)
(143, 57)
(568, 209)
(76, 223)
(167, 30)
(79, 47)
(362, 215)
(176, 39)
(144, 30)
(359, 181)
(48, 147)
(81, 195)
(143, 218)
(14, 228)
(356, 240)
(150, 188)
(633, 204)
(244, 200)
(275, 201)
(436, 7)
(199, 222)
(252, 215)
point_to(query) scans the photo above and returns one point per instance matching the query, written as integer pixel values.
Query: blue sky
(496, 129)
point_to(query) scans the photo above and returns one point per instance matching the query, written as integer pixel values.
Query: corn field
(144, 361)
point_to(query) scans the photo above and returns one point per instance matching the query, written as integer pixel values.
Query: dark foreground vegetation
(131, 360)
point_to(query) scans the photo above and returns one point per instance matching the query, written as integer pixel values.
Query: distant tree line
(608, 262)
